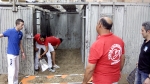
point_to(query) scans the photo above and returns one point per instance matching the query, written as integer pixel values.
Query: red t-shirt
(37, 39)
(53, 40)
(106, 53)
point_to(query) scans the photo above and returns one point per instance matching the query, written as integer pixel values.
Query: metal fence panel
(135, 15)
(7, 20)
(127, 19)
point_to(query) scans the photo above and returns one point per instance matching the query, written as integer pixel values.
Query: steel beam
(73, 3)
(59, 7)
(48, 3)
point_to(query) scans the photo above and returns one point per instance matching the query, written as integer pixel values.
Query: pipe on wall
(14, 9)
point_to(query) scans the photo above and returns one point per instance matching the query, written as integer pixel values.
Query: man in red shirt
(106, 57)
(40, 41)
(54, 42)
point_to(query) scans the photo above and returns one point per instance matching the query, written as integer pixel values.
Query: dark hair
(146, 25)
(105, 24)
(43, 35)
(61, 40)
(18, 21)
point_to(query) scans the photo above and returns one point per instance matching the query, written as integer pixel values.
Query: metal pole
(14, 6)
(41, 9)
(99, 11)
(113, 16)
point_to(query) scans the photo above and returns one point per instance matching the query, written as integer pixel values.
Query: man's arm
(88, 72)
(122, 61)
(22, 51)
(147, 81)
(1, 35)
(56, 47)
(46, 47)
(36, 49)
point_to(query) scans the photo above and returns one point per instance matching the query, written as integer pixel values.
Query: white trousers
(48, 54)
(115, 83)
(112, 83)
(13, 68)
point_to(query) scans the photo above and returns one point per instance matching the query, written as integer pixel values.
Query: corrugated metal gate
(7, 20)
(127, 19)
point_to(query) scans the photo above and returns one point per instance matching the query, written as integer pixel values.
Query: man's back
(54, 40)
(106, 53)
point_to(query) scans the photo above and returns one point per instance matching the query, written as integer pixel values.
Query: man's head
(61, 40)
(42, 36)
(105, 23)
(19, 24)
(145, 29)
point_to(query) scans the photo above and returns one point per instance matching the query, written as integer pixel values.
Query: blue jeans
(140, 77)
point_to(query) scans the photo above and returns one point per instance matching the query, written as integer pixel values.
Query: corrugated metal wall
(45, 23)
(127, 21)
(68, 27)
(38, 21)
(7, 20)
(135, 15)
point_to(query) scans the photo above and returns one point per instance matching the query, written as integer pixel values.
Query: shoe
(56, 66)
(36, 69)
(51, 70)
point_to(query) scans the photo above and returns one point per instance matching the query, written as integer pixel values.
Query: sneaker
(36, 69)
(56, 66)
(51, 70)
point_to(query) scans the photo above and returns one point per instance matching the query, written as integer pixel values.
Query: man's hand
(137, 64)
(84, 83)
(40, 56)
(23, 56)
(147, 81)
(1, 35)
(36, 49)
